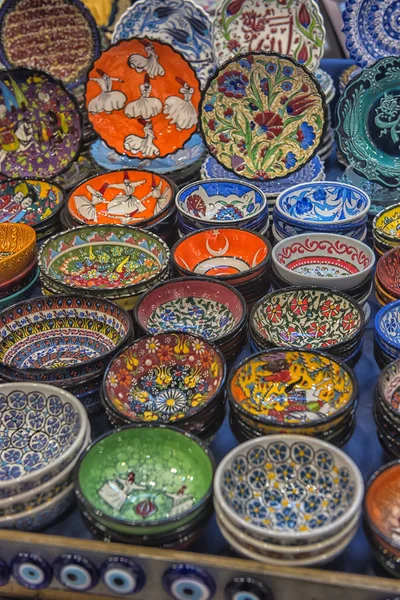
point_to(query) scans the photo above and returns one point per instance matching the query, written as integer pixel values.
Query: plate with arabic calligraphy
(263, 116)
(368, 122)
(58, 36)
(124, 197)
(142, 98)
(30, 201)
(40, 125)
(294, 28)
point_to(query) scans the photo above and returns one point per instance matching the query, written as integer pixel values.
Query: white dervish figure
(108, 100)
(181, 112)
(148, 63)
(135, 143)
(86, 207)
(144, 106)
(126, 203)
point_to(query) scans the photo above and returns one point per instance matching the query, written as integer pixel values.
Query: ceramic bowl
(17, 249)
(388, 389)
(328, 203)
(35, 202)
(386, 225)
(315, 489)
(17, 283)
(311, 258)
(45, 429)
(387, 325)
(165, 378)
(21, 295)
(140, 480)
(104, 259)
(84, 334)
(281, 229)
(388, 272)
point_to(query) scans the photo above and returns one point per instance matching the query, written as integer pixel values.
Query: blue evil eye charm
(4, 572)
(31, 571)
(75, 572)
(122, 575)
(247, 588)
(187, 582)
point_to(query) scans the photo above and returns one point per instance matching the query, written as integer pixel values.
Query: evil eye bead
(187, 582)
(75, 572)
(122, 575)
(246, 588)
(4, 572)
(31, 571)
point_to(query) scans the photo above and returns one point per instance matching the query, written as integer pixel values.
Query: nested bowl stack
(386, 229)
(198, 305)
(387, 334)
(45, 430)
(146, 485)
(309, 317)
(387, 409)
(107, 261)
(236, 256)
(321, 207)
(288, 500)
(387, 277)
(63, 340)
(167, 378)
(382, 514)
(287, 390)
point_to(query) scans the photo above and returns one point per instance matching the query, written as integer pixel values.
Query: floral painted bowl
(388, 389)
(323, 259)
(386, 225)
(387, 326)
(307, 318)
(165, 378)
(45, 427)
(141, 480)
(35, 202)
(221, 201)
(328, 203)
(388, 272)
(104, 258)
(17, 249)
(84, 334)
(288, 490)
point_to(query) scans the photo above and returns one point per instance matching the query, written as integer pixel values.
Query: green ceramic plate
(145, 479)
(368, 122)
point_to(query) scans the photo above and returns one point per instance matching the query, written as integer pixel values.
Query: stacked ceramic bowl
(321, 207)
(326, 260)
(107, 261)
(381, 508)
(236, 256)
(288, 500)
(198, 305)
(387, 334)
(387, 277)
(386, 229)
(387, 409)
(292, 391)
(309, 317)
(169, 378)
(18, 263)
(63, 340)
(45, 430)
(146, 485)
(221, 202)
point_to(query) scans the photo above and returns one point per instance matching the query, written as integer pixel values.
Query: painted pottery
(17, 283)
(295, 29)
(386, 225)
(136, 101)
(387, 273)
(34, 202)
(21, 294)
(281, 110)
(389, 388)
(107, 12)
(387, 324)
(17, 249)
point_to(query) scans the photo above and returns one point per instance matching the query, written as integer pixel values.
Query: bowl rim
(371, 480)
(187, 280)
(379, 389)
(29, 244)
(84, 299)
(20, 275)
(342, 238)
(23, 290)
(287, 536)
(39, 508)
(159, 522)
(381, 271)
(319, 184)
(263, 265)
(213, 181)
(378, 331)
(356, 305)
(335, 415)
(379, 232)
(77, 443)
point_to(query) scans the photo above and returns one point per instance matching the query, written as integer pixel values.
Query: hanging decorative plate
(107, 12)
(292, 27)
(40, 126)
(30, 201)
(263, 115)
(58, 36)
(368, 122)
(142, 98)
(372, 29)
(181, 23)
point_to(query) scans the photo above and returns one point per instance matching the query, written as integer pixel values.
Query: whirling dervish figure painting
(180, 111)
(144, 106)
(135, 143)
(108, 100)
(148, 63)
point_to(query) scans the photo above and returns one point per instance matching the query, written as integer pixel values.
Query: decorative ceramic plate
(58, 36)
(372, 30)
(368, 122)
(142, 98)
(181, 23)
(30, 201)
(381, 503)
(295, 28)
(387, 223)
(107, 12)
(263, 116)
(40, 126)
(124, 197)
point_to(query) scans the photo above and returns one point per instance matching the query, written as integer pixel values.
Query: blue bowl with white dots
(288, 489)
